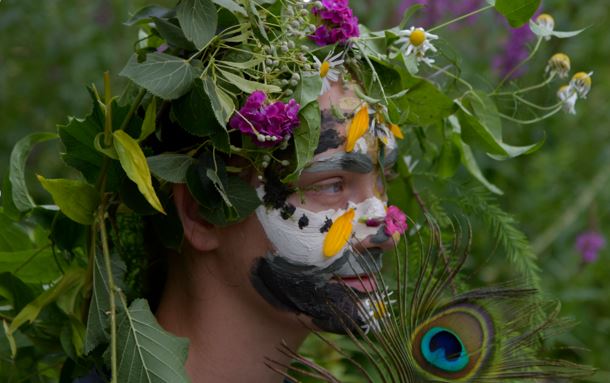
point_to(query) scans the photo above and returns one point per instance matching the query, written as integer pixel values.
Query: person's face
(297, 273)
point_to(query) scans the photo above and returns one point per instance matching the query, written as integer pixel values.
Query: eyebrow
(351, 162)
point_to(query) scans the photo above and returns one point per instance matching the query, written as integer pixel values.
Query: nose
(370, 228)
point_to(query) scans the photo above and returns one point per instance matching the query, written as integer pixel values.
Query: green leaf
(222, 104)
(195, 114)
(148, 126)
(243, 65)
(30, 312)
(13, 237)
(231, 6)
(425, 104)
(78, 200)
(247, 85)
(21, 197)
(97, 319)
(517, 12)
(35, 265)
(171, 167)
(8, 206)
(448, 160)
(198, 20)
(163, 75)
(145, 15)
(134, 163)
(146, 352)
(409, 13)
(172, 34)
(306, 137)
(308, 89)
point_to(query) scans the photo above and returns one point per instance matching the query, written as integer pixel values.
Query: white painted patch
(304, 246)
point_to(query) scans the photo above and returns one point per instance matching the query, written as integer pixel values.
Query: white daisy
(327, 70)
(374, 309)
(417, 42)
(568, 96)
(581, 83)
(547, 24)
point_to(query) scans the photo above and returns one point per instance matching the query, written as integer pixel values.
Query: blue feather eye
(444, 350)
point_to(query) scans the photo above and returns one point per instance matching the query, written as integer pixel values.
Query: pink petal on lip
(363, 283)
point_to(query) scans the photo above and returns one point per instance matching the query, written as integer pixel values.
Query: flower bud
(559, 64)
(581, 83)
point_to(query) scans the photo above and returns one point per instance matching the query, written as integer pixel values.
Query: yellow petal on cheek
(339, 233)
(395, 129)
(359, 126)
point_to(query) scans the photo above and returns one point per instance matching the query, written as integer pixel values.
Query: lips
(363, 283)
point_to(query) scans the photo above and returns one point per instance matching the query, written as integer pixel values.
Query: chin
(332, 297)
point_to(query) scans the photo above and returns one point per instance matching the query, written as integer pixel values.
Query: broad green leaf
(171, 167)
(231, 6)
(36, 265)
(97, 320)
(134, 163)
(409, 12)
(308, 89)
(78, 200)
(8, 206)
(99, 146)
(448, 160)
(194, 112)
(21, 197)
(30, 312)
(148, 125)
(306, 137)
(247, 85)
(163, 75)
(15, 292)
(198, 20)
(13, 237)
(516, 151)
(145, 15)
(222, 104)
(517, 12)
(425, 104)
(486, 111)
(213, 176)
(477, 134)
(146, 352)
(173, 35)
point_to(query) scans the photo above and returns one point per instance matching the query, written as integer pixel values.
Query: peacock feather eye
(454, 343)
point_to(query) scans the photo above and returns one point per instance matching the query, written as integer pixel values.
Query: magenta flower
(268, 124)
(395, 221)
(338, 23)
(589, 244)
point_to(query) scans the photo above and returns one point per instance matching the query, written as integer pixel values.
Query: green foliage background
(52, 49)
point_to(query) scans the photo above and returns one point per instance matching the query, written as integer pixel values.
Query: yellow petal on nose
(395, 129)
(359, 126)
(338, 234)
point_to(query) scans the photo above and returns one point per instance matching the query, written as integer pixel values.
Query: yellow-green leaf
(148, 126)
(134, 163)
(78, 200)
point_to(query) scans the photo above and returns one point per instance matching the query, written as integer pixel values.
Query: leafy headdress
(222, 90)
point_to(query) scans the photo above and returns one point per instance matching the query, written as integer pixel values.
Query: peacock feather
(424, 329)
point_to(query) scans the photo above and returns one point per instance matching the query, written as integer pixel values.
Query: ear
(201, 235)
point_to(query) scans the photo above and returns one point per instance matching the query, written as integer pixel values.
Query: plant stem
(111, 291)
(532, 121)
(528, 58)
(108, 103)
(523, 90)
(460, 18)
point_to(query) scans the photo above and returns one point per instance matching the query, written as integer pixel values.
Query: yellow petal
(395, 129)
(338, 234)
(359, 126)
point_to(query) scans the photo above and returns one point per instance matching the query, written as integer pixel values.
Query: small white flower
(568, 96)
(374, 309)
(328, 71)
(547, 24)
(417, 42)
(581, 83)
(559, 64)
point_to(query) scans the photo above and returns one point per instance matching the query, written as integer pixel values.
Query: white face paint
(304, 246)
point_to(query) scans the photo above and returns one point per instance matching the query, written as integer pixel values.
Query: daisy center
(417, 37)
(324, 68)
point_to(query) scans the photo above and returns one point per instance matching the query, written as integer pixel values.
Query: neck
(230, 340)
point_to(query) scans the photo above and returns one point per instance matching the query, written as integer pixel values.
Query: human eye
(332, 186)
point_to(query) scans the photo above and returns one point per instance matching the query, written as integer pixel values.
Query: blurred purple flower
(437, 11)
(339, 23)
(589, 244)
(267, 124)
(514, 51)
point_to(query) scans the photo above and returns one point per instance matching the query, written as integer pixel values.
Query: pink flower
(589, 244)
(395, 221)
(339, 23)
(268, 124)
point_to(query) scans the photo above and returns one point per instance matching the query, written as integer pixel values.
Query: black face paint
(276, 192)
(329, 136)
(287, 210)
(303, 221)
(309, 290)
(327, 224)
(350, 162)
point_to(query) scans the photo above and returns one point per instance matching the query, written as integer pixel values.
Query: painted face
(331, 230)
